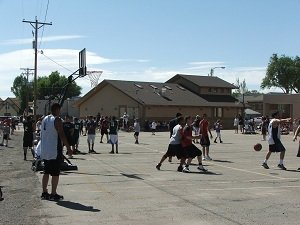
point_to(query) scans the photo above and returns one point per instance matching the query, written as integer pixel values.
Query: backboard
(82, 62)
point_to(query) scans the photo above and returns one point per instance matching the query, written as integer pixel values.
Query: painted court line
(243, 170)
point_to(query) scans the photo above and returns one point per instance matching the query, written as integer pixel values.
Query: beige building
(9, 107)
(148, 101)
(287, 104)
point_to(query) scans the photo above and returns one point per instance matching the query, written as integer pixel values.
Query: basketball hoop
(94, 77)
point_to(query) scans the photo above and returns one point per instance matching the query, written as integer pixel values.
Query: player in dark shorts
(204, 141)
(52, 137)
(76, 135)
(173, 122)
(174, 148)
(104, 124)
(68, 128)
(28, 136)
(274, 141)
(191, 151)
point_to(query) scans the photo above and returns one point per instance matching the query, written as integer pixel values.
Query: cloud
(45, 39)
(204, 65)
(66, 62)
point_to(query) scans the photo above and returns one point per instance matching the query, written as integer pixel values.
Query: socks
(281, 161)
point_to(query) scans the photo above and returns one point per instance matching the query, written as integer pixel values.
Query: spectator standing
(241, 123)
(91, 126)
(28, 126)
(76, 135)
(264, 127)
(137, 129)
(6, 132)
(153, 127)
(68, 128)
(113, 134)
(236, 125)
(218, 127)
(104, 124)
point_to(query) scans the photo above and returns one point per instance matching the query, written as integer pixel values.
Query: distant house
(287, 104)
(255, 103)
(10, 107)
(148, 101)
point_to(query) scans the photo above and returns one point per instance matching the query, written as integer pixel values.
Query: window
(218, 112)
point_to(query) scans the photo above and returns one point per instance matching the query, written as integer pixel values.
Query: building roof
(203, 81)
(154, 93)
(253, 98)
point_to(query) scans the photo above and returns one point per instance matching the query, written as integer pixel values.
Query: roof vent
(139, 86)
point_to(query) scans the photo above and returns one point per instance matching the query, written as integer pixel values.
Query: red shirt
(186, 134)
(203, 127)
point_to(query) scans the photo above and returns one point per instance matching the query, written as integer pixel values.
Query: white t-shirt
(153, 125)
(49, 138)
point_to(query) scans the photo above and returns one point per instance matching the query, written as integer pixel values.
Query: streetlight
(217, 67)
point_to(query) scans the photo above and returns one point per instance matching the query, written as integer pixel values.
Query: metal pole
(35, 71)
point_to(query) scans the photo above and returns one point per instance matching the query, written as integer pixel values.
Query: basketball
(257, 147)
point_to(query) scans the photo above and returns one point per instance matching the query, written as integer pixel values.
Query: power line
(41, 39)
(52, 60)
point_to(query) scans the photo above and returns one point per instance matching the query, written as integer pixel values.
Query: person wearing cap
(274, 141)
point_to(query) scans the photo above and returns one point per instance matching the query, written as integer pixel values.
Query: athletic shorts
(204, 141)
(91, 138)
(175, 150)
(5, 136)
(113, 138)
(277, 147)
(52, 167)
(192, 151)
(104, 131)
(27, 141)
(75, 139)
(136, 134)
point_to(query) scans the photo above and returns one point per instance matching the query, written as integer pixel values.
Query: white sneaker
(201, 168)
(203, 158)
(186, 170)
(208, 158)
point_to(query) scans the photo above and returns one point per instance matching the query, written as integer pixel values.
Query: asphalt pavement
(126, 188)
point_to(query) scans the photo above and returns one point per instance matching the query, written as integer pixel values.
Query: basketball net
(94, 77)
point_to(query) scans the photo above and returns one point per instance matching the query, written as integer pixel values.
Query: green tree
(53, 86)
(282, 73)
(47, 86)
(22, 89)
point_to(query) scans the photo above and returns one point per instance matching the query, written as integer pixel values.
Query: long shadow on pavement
(77, 206)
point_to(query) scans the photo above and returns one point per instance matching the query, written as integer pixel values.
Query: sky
(148, 40)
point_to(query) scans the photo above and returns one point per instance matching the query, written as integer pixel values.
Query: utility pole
(27, 73)
(36, 25)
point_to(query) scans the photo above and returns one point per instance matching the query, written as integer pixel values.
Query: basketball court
(126, 188)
